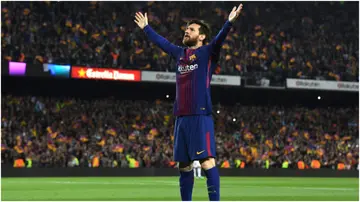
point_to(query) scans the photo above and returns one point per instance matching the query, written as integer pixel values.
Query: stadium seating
(50, 130)
(311, 40)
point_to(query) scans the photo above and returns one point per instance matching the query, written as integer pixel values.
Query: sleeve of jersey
(217, 42)
(161, 42)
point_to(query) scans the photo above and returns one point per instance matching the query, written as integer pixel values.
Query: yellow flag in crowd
(283, 130)
(154, 132)
(68, 23)
(306, 135)
(111, 132)
(327, 136)
(150, 137)
(119, 148)
(84, 31)
(146, 148)
(102, 142)
(269, 143)
(132, 136)
(51, 146)
(95, 36)
(19, 149)
(84, 139)
(26, 11)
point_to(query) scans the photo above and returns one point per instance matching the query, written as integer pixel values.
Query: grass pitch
(167, 189)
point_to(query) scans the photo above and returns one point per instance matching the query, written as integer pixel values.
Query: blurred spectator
(274, 40)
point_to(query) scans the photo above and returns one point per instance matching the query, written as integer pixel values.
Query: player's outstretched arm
(169, 48)
(217, 42)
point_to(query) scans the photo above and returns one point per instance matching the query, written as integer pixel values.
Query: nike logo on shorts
(198, 153)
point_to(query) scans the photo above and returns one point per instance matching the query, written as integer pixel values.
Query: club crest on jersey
(192, 57)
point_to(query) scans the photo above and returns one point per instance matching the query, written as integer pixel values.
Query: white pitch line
(176, 184)
(309, 188)
(97, 183)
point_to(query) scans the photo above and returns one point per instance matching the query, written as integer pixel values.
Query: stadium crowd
(317, 40)
(66, 132)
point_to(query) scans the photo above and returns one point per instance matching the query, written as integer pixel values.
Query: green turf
(166, 188)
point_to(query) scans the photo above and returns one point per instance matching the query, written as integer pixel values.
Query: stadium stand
(51, 131)
(307, 40)
(311, 40)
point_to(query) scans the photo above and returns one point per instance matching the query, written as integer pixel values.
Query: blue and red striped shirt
(194, 71)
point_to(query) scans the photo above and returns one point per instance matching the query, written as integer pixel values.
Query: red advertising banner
(105, 74)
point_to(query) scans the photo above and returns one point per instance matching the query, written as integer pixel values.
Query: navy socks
(186, 185)
(213, 183)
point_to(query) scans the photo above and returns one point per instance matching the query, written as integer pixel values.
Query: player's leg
(203, 148)
(186, 179)
(213, 178)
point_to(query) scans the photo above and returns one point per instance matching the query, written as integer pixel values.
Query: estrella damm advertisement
(79, 72)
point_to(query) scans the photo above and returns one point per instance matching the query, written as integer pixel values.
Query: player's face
(191, 36)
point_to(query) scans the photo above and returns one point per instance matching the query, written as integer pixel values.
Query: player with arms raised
(194, 126)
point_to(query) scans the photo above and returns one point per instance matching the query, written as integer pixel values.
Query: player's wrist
(145, 26)
(229, 23)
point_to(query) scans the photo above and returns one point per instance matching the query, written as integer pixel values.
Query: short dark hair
(204, 28)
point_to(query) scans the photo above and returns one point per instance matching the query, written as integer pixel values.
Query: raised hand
(141, 20)
(235, 13)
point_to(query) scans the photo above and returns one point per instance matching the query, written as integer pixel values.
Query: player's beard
(189, 42)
